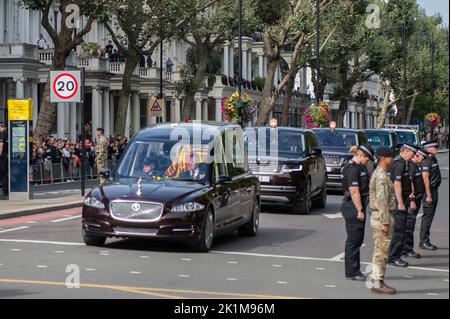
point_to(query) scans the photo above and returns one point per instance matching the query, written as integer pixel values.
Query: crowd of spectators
(63, 155)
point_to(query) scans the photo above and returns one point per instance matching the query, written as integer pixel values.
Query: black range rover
(336, 145)
(290, 166)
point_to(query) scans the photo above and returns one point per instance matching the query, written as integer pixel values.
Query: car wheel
(93, 240)
(303, 207)
(207, 237)
(321, 201)
(251, 227)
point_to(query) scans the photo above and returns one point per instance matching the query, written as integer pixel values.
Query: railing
(119, 68)
(46, 56)
(93, 63)
(149, 73)
(21, 51)
(49, 173)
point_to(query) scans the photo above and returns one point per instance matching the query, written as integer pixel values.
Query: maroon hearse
(190, 199)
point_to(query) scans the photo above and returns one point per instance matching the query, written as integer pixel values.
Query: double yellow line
(154, 292)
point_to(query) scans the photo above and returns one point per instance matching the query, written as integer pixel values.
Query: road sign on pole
(65, 86)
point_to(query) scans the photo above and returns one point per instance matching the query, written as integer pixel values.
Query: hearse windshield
(379, 139)
(336, 139)
(289, 144)
(164, 160)
(409, 137)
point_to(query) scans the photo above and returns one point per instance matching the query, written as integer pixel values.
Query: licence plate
(264, 179)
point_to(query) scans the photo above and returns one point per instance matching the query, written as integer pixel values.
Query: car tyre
(207, 237)
(303, 207)
(250, 228)
(98, 241)
(321, 201)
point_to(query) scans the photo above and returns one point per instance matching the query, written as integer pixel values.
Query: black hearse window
(220, 166)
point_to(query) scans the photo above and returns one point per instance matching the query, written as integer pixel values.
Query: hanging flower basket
(432, 119)
(232, 105)
(317, 116)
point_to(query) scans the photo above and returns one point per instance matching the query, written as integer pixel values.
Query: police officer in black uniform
(400, 176)
(355, 180)
(432, 180)
(416, 198)
(4, 158)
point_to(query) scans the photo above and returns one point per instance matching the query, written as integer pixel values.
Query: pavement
(293, 256)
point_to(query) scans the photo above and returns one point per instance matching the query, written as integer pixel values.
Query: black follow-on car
(290, 166)
(182, 182)
(336, 144)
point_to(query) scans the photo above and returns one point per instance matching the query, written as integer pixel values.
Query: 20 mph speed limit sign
(65, 86)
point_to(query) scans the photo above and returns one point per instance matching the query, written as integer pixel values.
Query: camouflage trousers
(381, 248)
(101, 164)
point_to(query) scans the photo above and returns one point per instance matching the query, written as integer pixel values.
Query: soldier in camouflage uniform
(382, 204)
(101, 152)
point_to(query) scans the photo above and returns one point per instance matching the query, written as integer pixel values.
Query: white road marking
(342, 255)
(31, 222)
(320, 268)
(282, 282)
(425, 268)
(267, 255)
(330, 286)
(90, 269)
(135, 272)
(144, 257)
(333, 216)
(104, 254)
(232, 262)
(232, 279)
(13, 229)
(16, 249)
(64, 219)
(277, 266)
(432, 294)
(446, 280)
(1, 264)
(184, 276)
(409, 277)
(41, 242)
(42, 266)
(185, 259)
(59, 252)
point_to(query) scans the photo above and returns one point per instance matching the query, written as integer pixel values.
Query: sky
(436, 6)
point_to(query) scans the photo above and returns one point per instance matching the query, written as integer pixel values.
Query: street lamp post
(318, 49)
(405, 61)
(240, 9)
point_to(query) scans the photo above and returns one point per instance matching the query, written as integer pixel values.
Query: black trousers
(398, 236)
(355, 237)
(428, 214)
(411, 225)
(4, 175)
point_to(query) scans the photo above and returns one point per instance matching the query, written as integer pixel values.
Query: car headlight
(187, 207)
(291, 170)
(93, 202)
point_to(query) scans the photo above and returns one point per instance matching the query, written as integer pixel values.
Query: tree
(205, 33)
(281, 23)
(65, 40)
(140, 22)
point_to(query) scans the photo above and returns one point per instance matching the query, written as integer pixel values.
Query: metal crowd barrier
(50, 173)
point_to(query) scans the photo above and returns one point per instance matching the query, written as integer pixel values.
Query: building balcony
(95, 64)
(18, 51)
(119, 68)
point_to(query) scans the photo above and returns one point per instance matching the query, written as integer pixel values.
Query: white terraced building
(24, 69)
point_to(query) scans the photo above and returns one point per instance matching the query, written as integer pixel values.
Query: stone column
(218, 109)
(244, 65)
(106, 110)
(260, 65)
(226, 60)
(177, 113)
(60, 121)
(20, 87)
(249, 66)
(198, 109)
(2, 20)
(96, 111)
(231, 59)
(73, 121)
(34, 96)
(136, 112)
(205, 110)
(111, 113)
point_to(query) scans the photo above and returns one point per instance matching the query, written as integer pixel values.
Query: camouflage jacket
(101, 149)
(382, 196)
